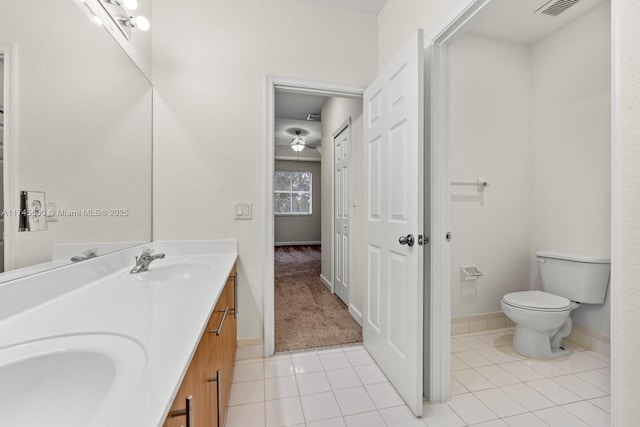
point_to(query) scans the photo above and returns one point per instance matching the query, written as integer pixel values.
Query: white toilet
(542, 317)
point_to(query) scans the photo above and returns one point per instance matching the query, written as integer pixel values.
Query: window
(292, 193)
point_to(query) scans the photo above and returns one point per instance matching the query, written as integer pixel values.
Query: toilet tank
(580, 278)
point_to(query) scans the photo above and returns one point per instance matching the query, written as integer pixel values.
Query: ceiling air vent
(556, 7)
(313, 117)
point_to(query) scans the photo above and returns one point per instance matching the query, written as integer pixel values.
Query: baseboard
(590, 339)
(580, 336)
(251, 341)
(479, 322)
(325, 282)
(250, 348)
(302, 243)
(356, 314)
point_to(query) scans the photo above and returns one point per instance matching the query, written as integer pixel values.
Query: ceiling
(291, 111)
(517, 22)
(364, 6)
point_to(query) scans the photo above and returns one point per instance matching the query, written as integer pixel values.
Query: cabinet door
(233, 324)
(215, 376)
(176, 421)
(230, 340)
(215, 322)
(183, 404)
(201, 409)
(194, 388)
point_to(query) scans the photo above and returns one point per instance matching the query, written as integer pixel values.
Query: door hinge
(422, 239)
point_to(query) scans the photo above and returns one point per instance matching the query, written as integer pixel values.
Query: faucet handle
(91, 253)
(146, 251)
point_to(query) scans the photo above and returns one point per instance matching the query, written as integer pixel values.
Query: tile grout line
(548, 374)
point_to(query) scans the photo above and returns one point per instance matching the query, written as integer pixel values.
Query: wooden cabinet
(203, 396)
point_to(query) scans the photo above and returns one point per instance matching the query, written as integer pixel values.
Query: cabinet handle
(188, 411)
(221, 325)
(217, 380)
(235, 295)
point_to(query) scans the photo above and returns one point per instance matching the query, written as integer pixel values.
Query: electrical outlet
(33, 210)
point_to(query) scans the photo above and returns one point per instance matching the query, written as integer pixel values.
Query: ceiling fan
(298, 143)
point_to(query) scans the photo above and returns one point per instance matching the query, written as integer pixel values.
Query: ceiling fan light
(297, 146)
(297, 143)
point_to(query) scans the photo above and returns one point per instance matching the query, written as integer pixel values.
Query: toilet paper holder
(470, 272)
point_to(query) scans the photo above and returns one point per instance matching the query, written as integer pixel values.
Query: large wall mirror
(75, 130)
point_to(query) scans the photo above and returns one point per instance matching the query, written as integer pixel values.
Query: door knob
(407, 240)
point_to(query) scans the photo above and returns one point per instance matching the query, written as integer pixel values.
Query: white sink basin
(70, 380)
(177, 271)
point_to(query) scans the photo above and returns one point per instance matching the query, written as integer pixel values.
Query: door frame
(458, 20)
(437, 317)
(9, 156)
(344, 126)
(293, 85)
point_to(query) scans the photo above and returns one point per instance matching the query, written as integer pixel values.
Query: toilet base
(537, 344)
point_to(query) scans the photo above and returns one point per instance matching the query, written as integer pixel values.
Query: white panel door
(393, 153)
(342, 151)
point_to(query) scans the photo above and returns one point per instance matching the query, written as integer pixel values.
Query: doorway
(537, 129)
(301, 295)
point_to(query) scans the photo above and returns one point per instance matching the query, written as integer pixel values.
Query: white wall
(399, 20)
(210, 63)
(571, 146)
(301, 228)
(490, 124)
(335, 112)
(627, 370)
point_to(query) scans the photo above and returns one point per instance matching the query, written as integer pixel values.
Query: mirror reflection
(75, 131)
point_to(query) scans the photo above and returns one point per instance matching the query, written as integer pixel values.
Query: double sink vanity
(93, 345)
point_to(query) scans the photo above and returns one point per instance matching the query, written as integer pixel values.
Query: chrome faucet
(143, 261)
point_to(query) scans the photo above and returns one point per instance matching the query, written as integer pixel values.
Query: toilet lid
(537, 300)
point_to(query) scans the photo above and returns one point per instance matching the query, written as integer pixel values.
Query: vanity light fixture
(129, 4)
(139, 22)
(297, 143)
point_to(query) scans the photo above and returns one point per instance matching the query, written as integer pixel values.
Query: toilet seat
(537, 300)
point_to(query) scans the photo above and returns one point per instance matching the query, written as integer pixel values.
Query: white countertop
(166, 318)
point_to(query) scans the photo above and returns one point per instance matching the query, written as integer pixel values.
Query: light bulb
(142, 23)
(130, 4)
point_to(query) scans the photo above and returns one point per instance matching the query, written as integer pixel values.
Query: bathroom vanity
(91, 345)
(204, 393)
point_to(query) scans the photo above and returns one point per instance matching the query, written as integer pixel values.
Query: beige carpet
(307, 314)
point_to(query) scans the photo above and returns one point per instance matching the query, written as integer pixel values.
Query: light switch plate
(244, 210)
(52, 212)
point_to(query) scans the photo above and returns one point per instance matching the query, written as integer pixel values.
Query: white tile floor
(492, 386)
